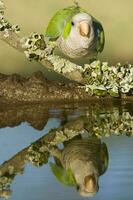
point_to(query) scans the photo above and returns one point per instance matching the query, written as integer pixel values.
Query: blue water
(38, 183)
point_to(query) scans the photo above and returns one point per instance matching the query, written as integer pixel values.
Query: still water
(27, 173)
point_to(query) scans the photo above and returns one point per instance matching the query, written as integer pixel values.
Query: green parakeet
(76, 33)
(82, 162)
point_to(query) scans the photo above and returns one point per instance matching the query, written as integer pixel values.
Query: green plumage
(99, 34)
(64, 176)
(59, 20)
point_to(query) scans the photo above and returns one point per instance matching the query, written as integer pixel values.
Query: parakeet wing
(99, 34)
(59, 21)
(64, 176)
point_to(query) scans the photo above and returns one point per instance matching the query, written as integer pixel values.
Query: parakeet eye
(72, 23)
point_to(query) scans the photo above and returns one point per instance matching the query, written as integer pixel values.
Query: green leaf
(64, 176)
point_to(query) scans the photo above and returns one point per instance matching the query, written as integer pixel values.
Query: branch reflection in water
(83, 157)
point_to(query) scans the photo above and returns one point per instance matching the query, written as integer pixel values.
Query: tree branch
(16, 89)
(13, 40)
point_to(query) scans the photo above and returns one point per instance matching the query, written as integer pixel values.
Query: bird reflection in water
(81, 163)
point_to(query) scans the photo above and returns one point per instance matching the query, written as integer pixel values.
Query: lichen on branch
(102, 79)
(4, 24)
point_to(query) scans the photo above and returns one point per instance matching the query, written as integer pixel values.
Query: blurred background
(33, 16)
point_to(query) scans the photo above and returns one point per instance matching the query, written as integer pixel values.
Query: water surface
(23, 125)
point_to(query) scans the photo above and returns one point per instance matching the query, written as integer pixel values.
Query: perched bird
(76, 33)
(81, 163)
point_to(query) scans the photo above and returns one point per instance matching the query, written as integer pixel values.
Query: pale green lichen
(5, 26)
(111, 123)
(36, 155)
(11, 169)
(35, 47)
(5, 182)
(6, 194)
(102, 79)
(70, 67)
(62, 65)
(2, 8)
(58, 63)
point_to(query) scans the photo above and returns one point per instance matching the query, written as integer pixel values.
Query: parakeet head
(81, 163)
(77, 39)
(82, 24)
(76, 32)
(87, 183)
(89, 187)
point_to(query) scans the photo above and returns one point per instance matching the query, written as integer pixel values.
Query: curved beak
(91, 185)
(84, 28)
